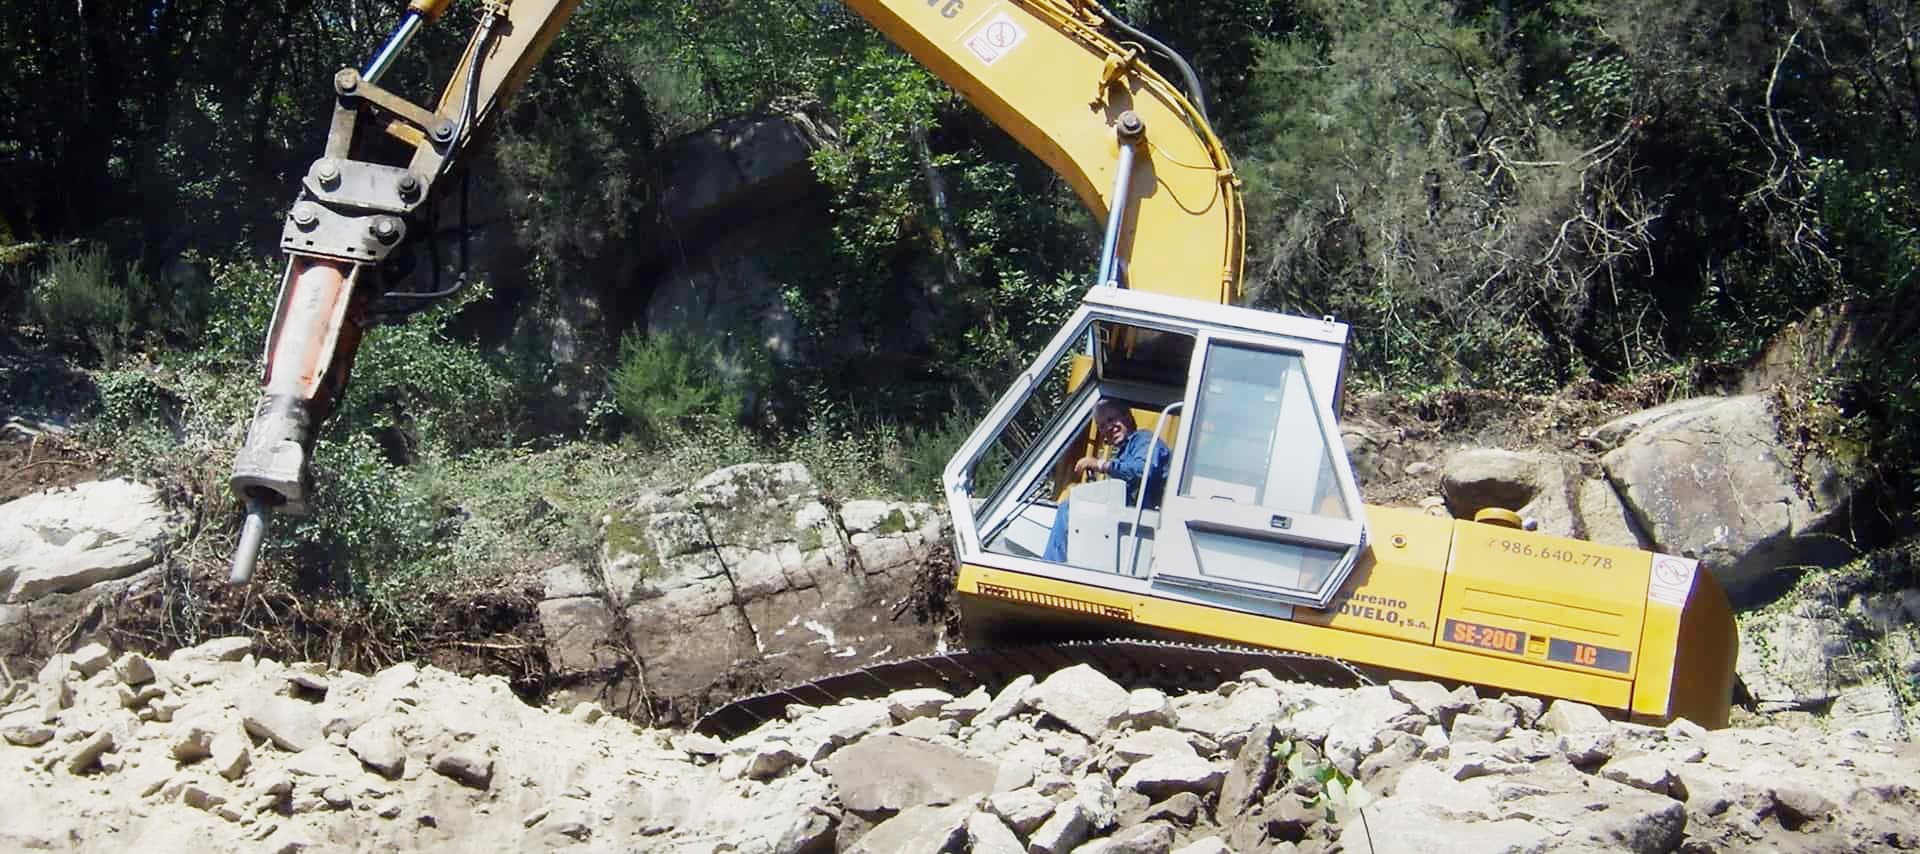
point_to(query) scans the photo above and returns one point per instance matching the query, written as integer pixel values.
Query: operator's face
(1113, 426)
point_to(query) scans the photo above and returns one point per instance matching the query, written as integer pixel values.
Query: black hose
(1194, 93)
(468, 113)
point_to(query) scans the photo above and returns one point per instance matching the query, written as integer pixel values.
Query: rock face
(66, 540)
(1713, 480)
(417, 759)
(745, 575)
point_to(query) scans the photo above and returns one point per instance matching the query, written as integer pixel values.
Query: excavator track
(1171, 667)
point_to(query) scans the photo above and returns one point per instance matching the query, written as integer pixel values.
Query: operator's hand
(1089, 464)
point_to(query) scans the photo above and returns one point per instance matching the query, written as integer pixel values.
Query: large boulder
(742, 165)
(1715, 481)
(747, 578)
(1550, 489)
(65, 540)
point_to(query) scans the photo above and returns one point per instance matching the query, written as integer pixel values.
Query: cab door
(1263, 502)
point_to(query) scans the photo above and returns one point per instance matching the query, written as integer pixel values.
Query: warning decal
(994, 38)
(1671, 580)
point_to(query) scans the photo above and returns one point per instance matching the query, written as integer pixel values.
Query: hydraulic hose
(1194, 93)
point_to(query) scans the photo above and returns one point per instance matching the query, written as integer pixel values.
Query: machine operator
(1113, 422)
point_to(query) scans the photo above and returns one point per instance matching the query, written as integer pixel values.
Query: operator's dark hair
(1114, 404)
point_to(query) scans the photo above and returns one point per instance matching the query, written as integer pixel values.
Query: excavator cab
(1259, 537)
(1258, 509)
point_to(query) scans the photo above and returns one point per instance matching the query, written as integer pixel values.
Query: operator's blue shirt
(1130, 464)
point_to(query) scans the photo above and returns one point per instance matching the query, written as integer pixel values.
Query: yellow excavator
(1252, 533)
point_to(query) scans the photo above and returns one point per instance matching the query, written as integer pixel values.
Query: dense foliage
(1517, 195)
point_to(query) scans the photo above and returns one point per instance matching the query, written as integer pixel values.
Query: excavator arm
(1064, 77)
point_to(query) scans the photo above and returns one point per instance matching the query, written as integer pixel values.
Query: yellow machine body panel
(1453, 600)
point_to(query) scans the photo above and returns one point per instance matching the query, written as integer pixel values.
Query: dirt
(30, 464)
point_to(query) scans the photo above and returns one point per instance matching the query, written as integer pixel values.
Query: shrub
(77, 303)
(664, 383)
(368, 532)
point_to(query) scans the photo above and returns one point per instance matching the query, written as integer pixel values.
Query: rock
(132, 699)
(1150, 838)
(1082, 698)
(377, 745)
(192, 742)
(1011, 699)
(1800, 804)
(579, 634)
(218, 649)
(568, 580)
(1495, 710)
(1062, 832)
(1794, 661)
(921, 828)
(986, 834)
(1228, 721)
(1357, 727)
(1646, 772)
(1566, 717)
(1171, 771)
(771, 759)
(466, 765)
(336, 797)
(65, 540)
(695, 744)
(1682, 729)
(1605, 516)
(966, 709)
(1717, 483)
(1590, 747)
(1140, 745)
(1102, 802)
(1431, 699)
(886, 774)
(1472, 727)
(230, 753)
(739, 166)
(1381, 770)
(1022, 809)
(290, 724)
(1183, 809)
(27, 735)
(1873, 709)
(1149, 707)
(55, 670)
(916, 703)
(1613, 818)
(835, 726)
(927, 729)
(201, 795)
(1252, 772)
(1206, 845)
(90, 659)
(83, 758)
(1531, 484)
(1529, 709)
(1421, 829)
(811, 831)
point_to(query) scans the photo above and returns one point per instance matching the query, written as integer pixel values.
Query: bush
(664, 383)
(77, 303)
(368, 532)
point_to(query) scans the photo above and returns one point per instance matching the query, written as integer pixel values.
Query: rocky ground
(215, 750)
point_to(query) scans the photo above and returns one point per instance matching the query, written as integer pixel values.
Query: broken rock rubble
(216, 750)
